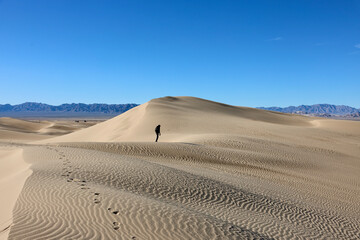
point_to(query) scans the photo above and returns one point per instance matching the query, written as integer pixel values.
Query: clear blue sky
(247, 53)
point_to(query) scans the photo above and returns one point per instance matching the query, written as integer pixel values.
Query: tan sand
(181, 119)
(218, 172)
(13, 173)
(13, 169)
(23, 131)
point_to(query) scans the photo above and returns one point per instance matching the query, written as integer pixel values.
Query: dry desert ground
(217, 172)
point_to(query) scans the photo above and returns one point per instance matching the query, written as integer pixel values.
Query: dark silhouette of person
(157, 131)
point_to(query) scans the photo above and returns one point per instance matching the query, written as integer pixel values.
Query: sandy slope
(17, 130)
(218, 172)
(13, 173)
(13, 169)
(181, 118)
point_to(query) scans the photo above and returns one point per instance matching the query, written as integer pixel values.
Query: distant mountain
(316, 109)
(72, 108)
(81, 109)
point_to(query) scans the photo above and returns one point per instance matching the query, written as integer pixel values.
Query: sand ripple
(105, 194)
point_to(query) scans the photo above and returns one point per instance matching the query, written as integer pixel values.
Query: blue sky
(246, 53)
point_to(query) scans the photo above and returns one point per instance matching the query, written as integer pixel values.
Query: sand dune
(17, 130)
(22, 125)
(13, 173)
(181, 118)
(218, 172)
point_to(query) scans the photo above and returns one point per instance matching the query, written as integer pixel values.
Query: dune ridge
(13, 173)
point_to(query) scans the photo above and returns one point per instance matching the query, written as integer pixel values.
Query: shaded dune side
(154, 201)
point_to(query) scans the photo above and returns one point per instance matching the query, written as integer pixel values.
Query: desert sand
(217, 172)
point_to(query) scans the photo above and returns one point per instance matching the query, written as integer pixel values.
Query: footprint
(97, 194)
(115, 212)
(116, 225)
(96, 201)
(85, 188)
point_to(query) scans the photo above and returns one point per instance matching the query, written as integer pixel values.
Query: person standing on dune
(157, 131)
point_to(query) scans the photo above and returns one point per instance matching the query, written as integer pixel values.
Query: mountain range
(73, 107)
(316, 109)
(78, 109)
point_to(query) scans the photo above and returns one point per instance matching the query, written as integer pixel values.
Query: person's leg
(157, 137)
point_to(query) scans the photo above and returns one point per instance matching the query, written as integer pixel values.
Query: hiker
(157, 131)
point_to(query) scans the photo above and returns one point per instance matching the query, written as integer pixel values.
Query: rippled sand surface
(218, 172)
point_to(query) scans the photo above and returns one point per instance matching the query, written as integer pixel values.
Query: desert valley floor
(217, 172)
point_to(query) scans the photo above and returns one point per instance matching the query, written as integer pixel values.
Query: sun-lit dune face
(182, 118)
